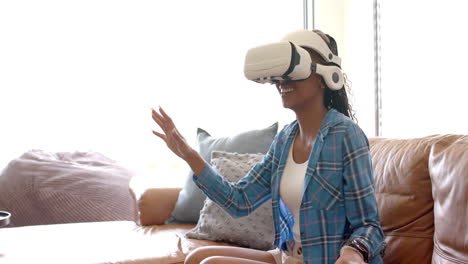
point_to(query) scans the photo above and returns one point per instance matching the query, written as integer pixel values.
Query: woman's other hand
(350, 255)
(176, 142)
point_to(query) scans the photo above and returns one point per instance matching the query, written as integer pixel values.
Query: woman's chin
(287, 104)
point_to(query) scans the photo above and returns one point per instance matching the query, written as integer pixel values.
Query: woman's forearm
(196, 162)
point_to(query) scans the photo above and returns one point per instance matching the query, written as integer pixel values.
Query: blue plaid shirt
(338, 201)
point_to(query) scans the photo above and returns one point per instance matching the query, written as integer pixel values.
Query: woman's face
(299, 94)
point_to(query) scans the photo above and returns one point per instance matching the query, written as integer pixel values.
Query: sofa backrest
(448, 167)
(404, 195)
(404, 173)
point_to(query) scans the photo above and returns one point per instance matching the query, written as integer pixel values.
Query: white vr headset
(289, 60)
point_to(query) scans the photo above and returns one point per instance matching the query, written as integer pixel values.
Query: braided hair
(336, 99)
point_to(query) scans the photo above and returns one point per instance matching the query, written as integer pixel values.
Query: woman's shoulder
(339, 119)
(342, 124)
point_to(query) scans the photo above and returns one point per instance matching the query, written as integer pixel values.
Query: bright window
(424, 90)
(83, 75)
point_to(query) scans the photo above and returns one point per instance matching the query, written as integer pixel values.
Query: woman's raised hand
(176, 142)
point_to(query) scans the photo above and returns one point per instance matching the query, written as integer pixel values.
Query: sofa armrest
(155, 198)
(155, 205)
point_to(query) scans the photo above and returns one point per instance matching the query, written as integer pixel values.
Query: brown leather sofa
(421, 186)
(422, 191)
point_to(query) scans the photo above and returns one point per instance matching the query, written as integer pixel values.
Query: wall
(351, 24)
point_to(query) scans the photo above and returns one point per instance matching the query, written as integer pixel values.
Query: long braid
(339, 101)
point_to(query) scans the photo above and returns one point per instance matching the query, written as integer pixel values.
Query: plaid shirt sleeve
(360, 203)
(240, 198)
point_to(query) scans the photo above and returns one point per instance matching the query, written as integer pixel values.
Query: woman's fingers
(166, 124)
(163, 112)
(163, 122)
(162, 136)
(167, 118)
(157, 118)
(174, 140)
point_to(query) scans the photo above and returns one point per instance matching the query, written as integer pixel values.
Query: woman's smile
(285, 90)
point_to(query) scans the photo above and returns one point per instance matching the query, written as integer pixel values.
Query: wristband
(354, 243)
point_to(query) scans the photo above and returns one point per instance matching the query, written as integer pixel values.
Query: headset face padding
(287, 61)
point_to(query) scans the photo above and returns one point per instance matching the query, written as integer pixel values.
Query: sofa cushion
(191, 198)
(255, 230)
(448, 167)
(404, 197)
(100, 242)
(43, 187)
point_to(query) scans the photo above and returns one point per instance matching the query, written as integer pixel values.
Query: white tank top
(292, 187)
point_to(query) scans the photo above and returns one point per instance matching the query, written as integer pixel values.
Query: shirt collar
(332, 118)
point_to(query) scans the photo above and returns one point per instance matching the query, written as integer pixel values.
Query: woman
(324, 204)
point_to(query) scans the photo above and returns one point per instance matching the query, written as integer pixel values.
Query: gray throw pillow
(255, 230)
(191, 198)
